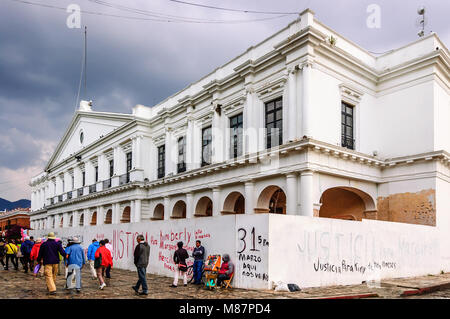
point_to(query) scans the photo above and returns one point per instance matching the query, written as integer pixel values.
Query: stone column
(216, 201)
(291, 196)
(250, 120)
(249, 188)
(100, 215)
(189, 141)
(87, 217)
(132, 211)
(218, 135)
(76, 218)
(306, 99)
(137, 211)
(189, 205)
(170, 147)
(65, 220)
(167, 212)
(306, 193)
(292, 107)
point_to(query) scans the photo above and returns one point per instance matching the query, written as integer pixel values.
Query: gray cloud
(131, 62)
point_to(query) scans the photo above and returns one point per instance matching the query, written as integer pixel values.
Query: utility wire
(154, 19)
(174, 17)
(228, 9)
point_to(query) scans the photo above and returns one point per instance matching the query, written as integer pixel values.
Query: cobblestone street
(16, 284)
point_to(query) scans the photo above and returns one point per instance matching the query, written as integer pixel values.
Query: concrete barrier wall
(319, 251)
(218, 236)
(267, 248)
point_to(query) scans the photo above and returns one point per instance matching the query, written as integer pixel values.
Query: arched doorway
(108, 217)
(71, 221)
(271, 200)
(345, 203)
(234, 204)
(81, 222)
(204, 207)
(94, 219)
(126, 215)
(158, 213)
(179, 210)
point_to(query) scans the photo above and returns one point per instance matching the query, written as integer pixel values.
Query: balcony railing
(161, 172)
(124, 179)
(80, 192)
(107, 184)
(92, 188)
(181, 167)
(348, 142)
(52, 201)
(60, 198)
(69, 195)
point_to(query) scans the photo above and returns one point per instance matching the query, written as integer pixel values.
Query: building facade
(305, 123)
(19, 216)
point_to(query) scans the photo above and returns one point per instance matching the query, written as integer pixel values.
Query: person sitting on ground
(179, 258)
(226, 270)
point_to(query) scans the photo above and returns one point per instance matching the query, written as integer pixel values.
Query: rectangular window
(274, 123)
(73, 182)
(206, 145)
(96, 173)
(84, 178)
(181, 154)
(161, 161)
(236, 127)
(129, 161)
(347, 138)
(111, 168)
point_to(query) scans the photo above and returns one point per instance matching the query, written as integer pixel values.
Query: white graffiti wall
(319, 251)
(219, 235)
(265, 248)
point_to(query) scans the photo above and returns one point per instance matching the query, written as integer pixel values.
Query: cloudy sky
(134, 61)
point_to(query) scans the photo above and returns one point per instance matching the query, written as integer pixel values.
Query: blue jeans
(198, 271)
(70, 271)
(142, 279)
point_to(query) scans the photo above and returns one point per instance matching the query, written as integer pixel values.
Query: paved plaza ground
(18, 285)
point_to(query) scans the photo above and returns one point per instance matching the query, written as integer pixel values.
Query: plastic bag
(281, 286)
(36, 269)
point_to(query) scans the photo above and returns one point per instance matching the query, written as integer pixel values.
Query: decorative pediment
(85, 129)
(350, 94)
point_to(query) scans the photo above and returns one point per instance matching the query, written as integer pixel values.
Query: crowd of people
(46, 257)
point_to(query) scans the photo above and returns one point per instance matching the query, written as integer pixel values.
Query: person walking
(76, 261)
(199, 256)
(34, 255)
(19, 256)
(11, 251)
(141, 255)
(2, 252)
(91, 257)
(110, 248)
(226, 270)
(179, 257)
(26, 248)
(48, 254)
(102, 261)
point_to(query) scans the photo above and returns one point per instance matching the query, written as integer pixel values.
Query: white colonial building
(305, 123)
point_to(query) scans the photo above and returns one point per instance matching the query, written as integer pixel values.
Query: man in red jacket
(106, 261)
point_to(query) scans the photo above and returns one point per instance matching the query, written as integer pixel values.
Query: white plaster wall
(441, 118)
(385, 250)
(326, 113)
(403, 124)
